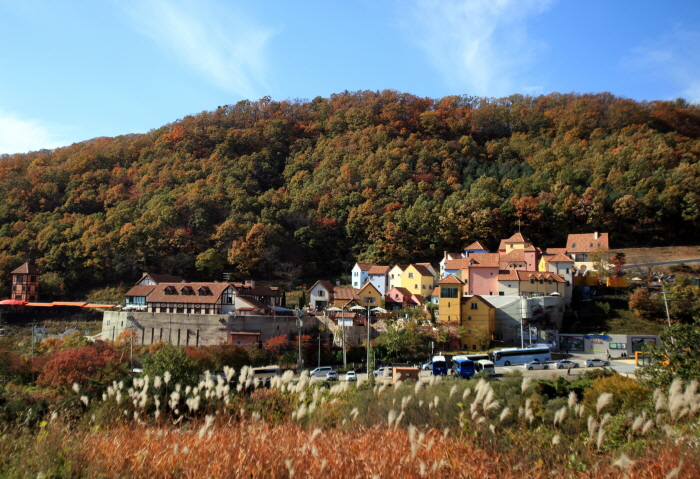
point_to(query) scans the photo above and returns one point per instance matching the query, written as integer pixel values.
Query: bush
(627, 394)
(174, 360)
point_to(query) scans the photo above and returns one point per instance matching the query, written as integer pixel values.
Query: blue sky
(71, 71)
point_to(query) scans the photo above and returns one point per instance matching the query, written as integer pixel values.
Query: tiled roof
(345, 294)
(456, 263)
(158, 295)
(527, 275)
(515, 255)
(365, 266)
(140, 290)
(422, 270)
(508, 275)
(556, 250)
(490, 260)
(256, 305)
(451, 256)
(584, 243)
(256, 290)
(436, 291)
(402, 291)
(559, 258)
(327, 285)
(450, 279)
(476, 245)
(402, 267)
(466, 299)
(162, 278)
(379, 269)
(517, 238)
(26, 268)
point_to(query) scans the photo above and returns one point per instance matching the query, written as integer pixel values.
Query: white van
(484, 365)
(322, 371)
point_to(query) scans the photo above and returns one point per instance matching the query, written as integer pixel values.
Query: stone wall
(199, 329)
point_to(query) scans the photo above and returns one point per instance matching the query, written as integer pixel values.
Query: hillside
(289, 189)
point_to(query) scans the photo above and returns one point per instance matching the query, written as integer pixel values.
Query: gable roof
(559, 258)
(466, 299)
(367, 285)
(26, 268)
(401, 290)
(161, 278)
(327, 285)
(345, 294)
(556, 250)
(365, 266)
(450, 279)
(476, 245)
(402, 267)
(140, 290)
(517, 238)
(254, 304)
(379, 269)
(585, 243)
(422, 269)
(485, 260)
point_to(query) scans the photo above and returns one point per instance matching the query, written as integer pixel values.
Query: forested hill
(259, 187)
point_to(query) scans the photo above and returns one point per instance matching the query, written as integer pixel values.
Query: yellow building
(368, 295)
(478, 322)
(418, 279)
(451, 291)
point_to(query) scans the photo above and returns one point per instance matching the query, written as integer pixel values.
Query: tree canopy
(370, 176)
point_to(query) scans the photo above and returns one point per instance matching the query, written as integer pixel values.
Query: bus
(484, 365)
(506, 357)
(263, 376)
(478, 357)
(462, 367)
(439, 366)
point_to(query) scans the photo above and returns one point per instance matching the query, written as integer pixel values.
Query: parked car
(427, 366)
(597, 362)
(565, 364)
(381, 371)
(536, 365)
(350, 376)
(331, 376)
(322, 371)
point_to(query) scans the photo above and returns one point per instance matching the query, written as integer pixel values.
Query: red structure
(25, 283)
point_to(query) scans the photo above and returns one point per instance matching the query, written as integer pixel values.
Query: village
(516, 295)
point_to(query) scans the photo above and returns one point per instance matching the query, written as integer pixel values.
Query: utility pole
(32, 363)
(368, 328)
(668, 316)
(319, 349)
(299, 314)
(342, 319)
(170, 330)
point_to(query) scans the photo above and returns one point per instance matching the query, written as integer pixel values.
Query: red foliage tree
(277, 344)
(90, 366)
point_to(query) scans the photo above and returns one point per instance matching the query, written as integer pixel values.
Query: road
(624, 366)
(632, 266)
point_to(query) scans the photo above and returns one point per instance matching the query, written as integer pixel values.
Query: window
(415, 286)
(469, 318)
(591, 245)
(532, 280)
(490, 293)
(475, 306)
(573, 245)
(510, 285)
(469, 331)
(355, 273)
(567, 270)
(410, 275)
(618, 345)
(424, 287)
(369, 299)
(501, 293)
(448, 292)
(474, 347)
(321, 293)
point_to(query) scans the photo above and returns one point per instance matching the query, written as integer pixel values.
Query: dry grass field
(661, 253)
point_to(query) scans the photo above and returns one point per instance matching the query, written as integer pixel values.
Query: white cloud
(673, 59)
(21, 136)
(481, 45)
(224, 46)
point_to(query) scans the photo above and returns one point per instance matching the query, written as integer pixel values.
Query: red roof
(476, 245)
(140, 290)
(586, 242)
(379, 269)
(450, 279)
(517, 238)
(559, 258)
(345, 294)
(158, 295)
(423, 270)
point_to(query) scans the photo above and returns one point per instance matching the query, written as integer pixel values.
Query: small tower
(25, 283)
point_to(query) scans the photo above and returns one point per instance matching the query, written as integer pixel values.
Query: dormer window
(203, 291)
(591, 244)
(187, 291)
(532, 280)
(170, 290)
(573, 245)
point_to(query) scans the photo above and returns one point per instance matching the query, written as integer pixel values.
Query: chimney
(249, 283)
(595, 235)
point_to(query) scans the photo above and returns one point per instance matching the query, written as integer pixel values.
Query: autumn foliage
(90, 366)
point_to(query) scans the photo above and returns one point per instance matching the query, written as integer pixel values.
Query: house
(451, 290)
(580, 248)
(563, 266)
(321, 294)
(344, 296)
(379, 277)
(532, 284)
(136, 296)
(395, 275)
(517, 241)
(448, 257)
(478, 322)
(360, 274)
(186, 298)
(475, 247)
(25, 283)
(399, 298)
(368, 295)
(478, 272)
(418, 279)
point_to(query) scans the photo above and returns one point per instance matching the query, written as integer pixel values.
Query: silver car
(597, 362)
(536, 365)
(350, 376)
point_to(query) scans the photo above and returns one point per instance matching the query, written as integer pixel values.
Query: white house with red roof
(379, 277)
(580, 247)
(360, 274)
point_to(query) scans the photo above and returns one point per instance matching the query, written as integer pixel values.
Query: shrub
(627, 394)
(173, 359)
